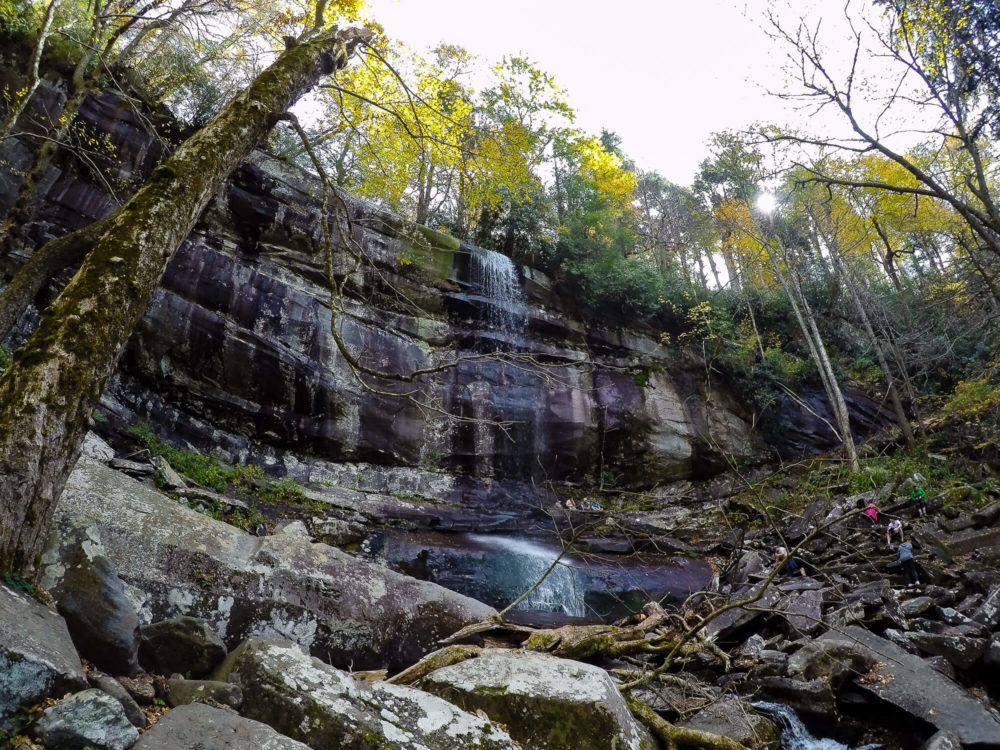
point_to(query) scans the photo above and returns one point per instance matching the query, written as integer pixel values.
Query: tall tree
(53, 385)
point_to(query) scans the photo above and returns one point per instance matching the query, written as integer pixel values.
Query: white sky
(663, 74)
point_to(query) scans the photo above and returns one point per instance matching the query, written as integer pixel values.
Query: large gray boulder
(206, 728)
(731, 717)
(89, 719)
(175, 561)
(37, 657)
(91, 597)
(913, 686)
(320, 705)
(546, 703)
(962, 651)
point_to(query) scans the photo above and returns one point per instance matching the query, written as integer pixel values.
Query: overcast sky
(663, 74)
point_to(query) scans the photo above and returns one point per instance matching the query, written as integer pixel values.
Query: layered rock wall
(235, 352)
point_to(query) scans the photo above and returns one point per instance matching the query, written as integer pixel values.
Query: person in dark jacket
(905, 553)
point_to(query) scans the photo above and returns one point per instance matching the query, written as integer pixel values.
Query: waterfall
(515, 564)
(495, 277)
(794, 735)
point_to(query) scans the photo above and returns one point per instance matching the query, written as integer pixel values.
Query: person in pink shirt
(871, 512)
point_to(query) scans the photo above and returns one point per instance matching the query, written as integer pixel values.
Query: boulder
(916, 607)
(731, 717)
(988, 613)
(207, 728)
(942, 665)
(733, 619)
(803, 610)
(987, 516)
(91, 597)
(322, 706)
(94, 447)
(966, 541)
(37, 657)
(808, 697)
(182, 692)
(89, 719)
(991, 658)
(544, 701)
(140, 687)
(943, 741)
(916, 688)
(830, 660)
(963, 652)
(116, 690)
(185, 645)
(175, 561)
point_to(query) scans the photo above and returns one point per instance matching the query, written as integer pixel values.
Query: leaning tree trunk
(53, 385)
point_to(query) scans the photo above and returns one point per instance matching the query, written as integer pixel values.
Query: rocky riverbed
(285, 641)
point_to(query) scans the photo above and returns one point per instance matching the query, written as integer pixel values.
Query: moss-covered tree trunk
(53, 385)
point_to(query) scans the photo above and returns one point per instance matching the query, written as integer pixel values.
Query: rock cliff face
(236, 353)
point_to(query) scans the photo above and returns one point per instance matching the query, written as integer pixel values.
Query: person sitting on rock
(570, 504)
(919, 498)
(894, 531)
(871, 513)
(908, 563)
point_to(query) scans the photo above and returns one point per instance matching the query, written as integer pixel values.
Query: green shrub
(203, 470)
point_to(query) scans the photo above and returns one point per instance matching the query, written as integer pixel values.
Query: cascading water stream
(495, 277)
(794, 735)
(517, 563)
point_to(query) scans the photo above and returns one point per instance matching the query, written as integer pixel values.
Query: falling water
(517, 563)
(495, 277)
(794, 735)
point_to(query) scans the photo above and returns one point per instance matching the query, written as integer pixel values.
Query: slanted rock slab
(207, 728)
(88, 719)
(909, 683)
(37, 657)
(546, 703)
(320, 705)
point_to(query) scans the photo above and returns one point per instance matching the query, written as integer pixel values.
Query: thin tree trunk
(55, 381)
(31, 83)
(807, 323)
(890, 384)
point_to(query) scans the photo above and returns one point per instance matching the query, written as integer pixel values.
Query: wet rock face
(239, 338)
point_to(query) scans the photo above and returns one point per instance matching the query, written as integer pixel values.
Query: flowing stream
(794, 735)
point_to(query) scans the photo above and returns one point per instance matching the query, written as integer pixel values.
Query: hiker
(894, 531)
(570, 504)
(790, 566)
(919, 498)
(871, 513)
(908, 563)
